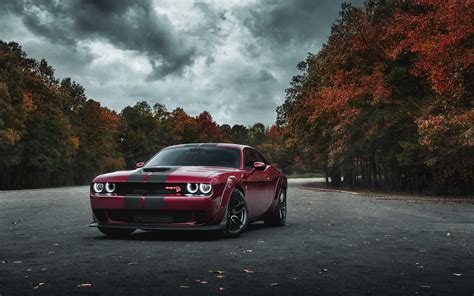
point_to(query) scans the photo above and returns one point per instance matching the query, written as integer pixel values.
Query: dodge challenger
(203, 186)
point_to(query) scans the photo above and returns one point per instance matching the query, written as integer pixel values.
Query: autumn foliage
(51, 134)
(388, 101)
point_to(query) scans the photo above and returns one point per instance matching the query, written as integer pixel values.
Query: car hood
(174, 174)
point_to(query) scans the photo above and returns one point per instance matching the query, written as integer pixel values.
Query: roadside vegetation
(387, 103)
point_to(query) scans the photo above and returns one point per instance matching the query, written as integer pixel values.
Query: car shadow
(182, 235)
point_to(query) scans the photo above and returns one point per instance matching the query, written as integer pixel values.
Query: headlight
(205, 188)
(110, 187)
(98, 187)
(192, 187)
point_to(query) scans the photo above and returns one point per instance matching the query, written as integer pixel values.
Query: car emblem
(175, 188)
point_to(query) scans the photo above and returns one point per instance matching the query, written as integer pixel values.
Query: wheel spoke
(238, 208)
(236, 221)
(237, 214)
(282, 205)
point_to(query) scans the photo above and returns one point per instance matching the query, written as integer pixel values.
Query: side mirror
(139, 165)
(259, 166)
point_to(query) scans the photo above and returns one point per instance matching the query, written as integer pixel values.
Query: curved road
(334, 243)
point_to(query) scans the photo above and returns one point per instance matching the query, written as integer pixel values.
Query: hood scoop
(156, 169)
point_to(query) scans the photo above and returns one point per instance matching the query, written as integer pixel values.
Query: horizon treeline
(51, 134)
(388, 101)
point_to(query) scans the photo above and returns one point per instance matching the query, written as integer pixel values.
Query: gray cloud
(232, 59)
(294, 21)
(129, 25)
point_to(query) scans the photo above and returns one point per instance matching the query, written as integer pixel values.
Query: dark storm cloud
(292, 21)
(129, 25)
(233, 59)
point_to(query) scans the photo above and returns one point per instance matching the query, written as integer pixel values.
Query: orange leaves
(10, 136)
(274, 133)
(439, 38)
(74, 142)
(209, 130)
(437, 131)
(109, 118)
(28, 103)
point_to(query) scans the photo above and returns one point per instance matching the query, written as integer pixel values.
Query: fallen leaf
(84, 285)
(425, 287)
(248, 271)
(37, 285)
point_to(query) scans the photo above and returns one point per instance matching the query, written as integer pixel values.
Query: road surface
(334, 244)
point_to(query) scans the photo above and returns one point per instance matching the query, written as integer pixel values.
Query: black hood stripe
(160, 177)
(132, 202)
(154, 202)
(138, 176)
(153, 177)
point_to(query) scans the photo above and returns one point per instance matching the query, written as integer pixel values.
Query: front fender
(231, 184)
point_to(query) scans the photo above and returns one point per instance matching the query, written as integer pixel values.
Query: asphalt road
(334, 243)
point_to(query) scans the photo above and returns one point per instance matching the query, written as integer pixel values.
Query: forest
(386, 103)
(51, 134)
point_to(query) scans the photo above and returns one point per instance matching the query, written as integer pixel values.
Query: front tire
(278, 216)
(237, 215)
(115, 232)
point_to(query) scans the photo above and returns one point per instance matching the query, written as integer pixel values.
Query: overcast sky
(231, 58)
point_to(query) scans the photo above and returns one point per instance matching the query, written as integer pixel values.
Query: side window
(261, 158)
(251, 156)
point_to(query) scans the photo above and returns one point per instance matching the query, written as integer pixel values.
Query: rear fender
(282, 182)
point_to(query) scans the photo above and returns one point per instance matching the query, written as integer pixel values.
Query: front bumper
(157, 212)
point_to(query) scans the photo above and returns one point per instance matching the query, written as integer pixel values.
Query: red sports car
(191, 187)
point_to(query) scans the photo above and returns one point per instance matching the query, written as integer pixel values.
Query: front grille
(150, 216)
(149, 188)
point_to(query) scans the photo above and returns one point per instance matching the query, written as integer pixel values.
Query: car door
(256, 185)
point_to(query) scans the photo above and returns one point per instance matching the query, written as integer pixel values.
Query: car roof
(229, 145)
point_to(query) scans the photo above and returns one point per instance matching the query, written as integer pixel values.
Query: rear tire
(278, 216)
(116, 232)
(237, 215)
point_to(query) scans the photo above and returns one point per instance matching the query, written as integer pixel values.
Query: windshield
(197, 156)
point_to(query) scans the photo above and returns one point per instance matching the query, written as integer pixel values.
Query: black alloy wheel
(237, 215)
